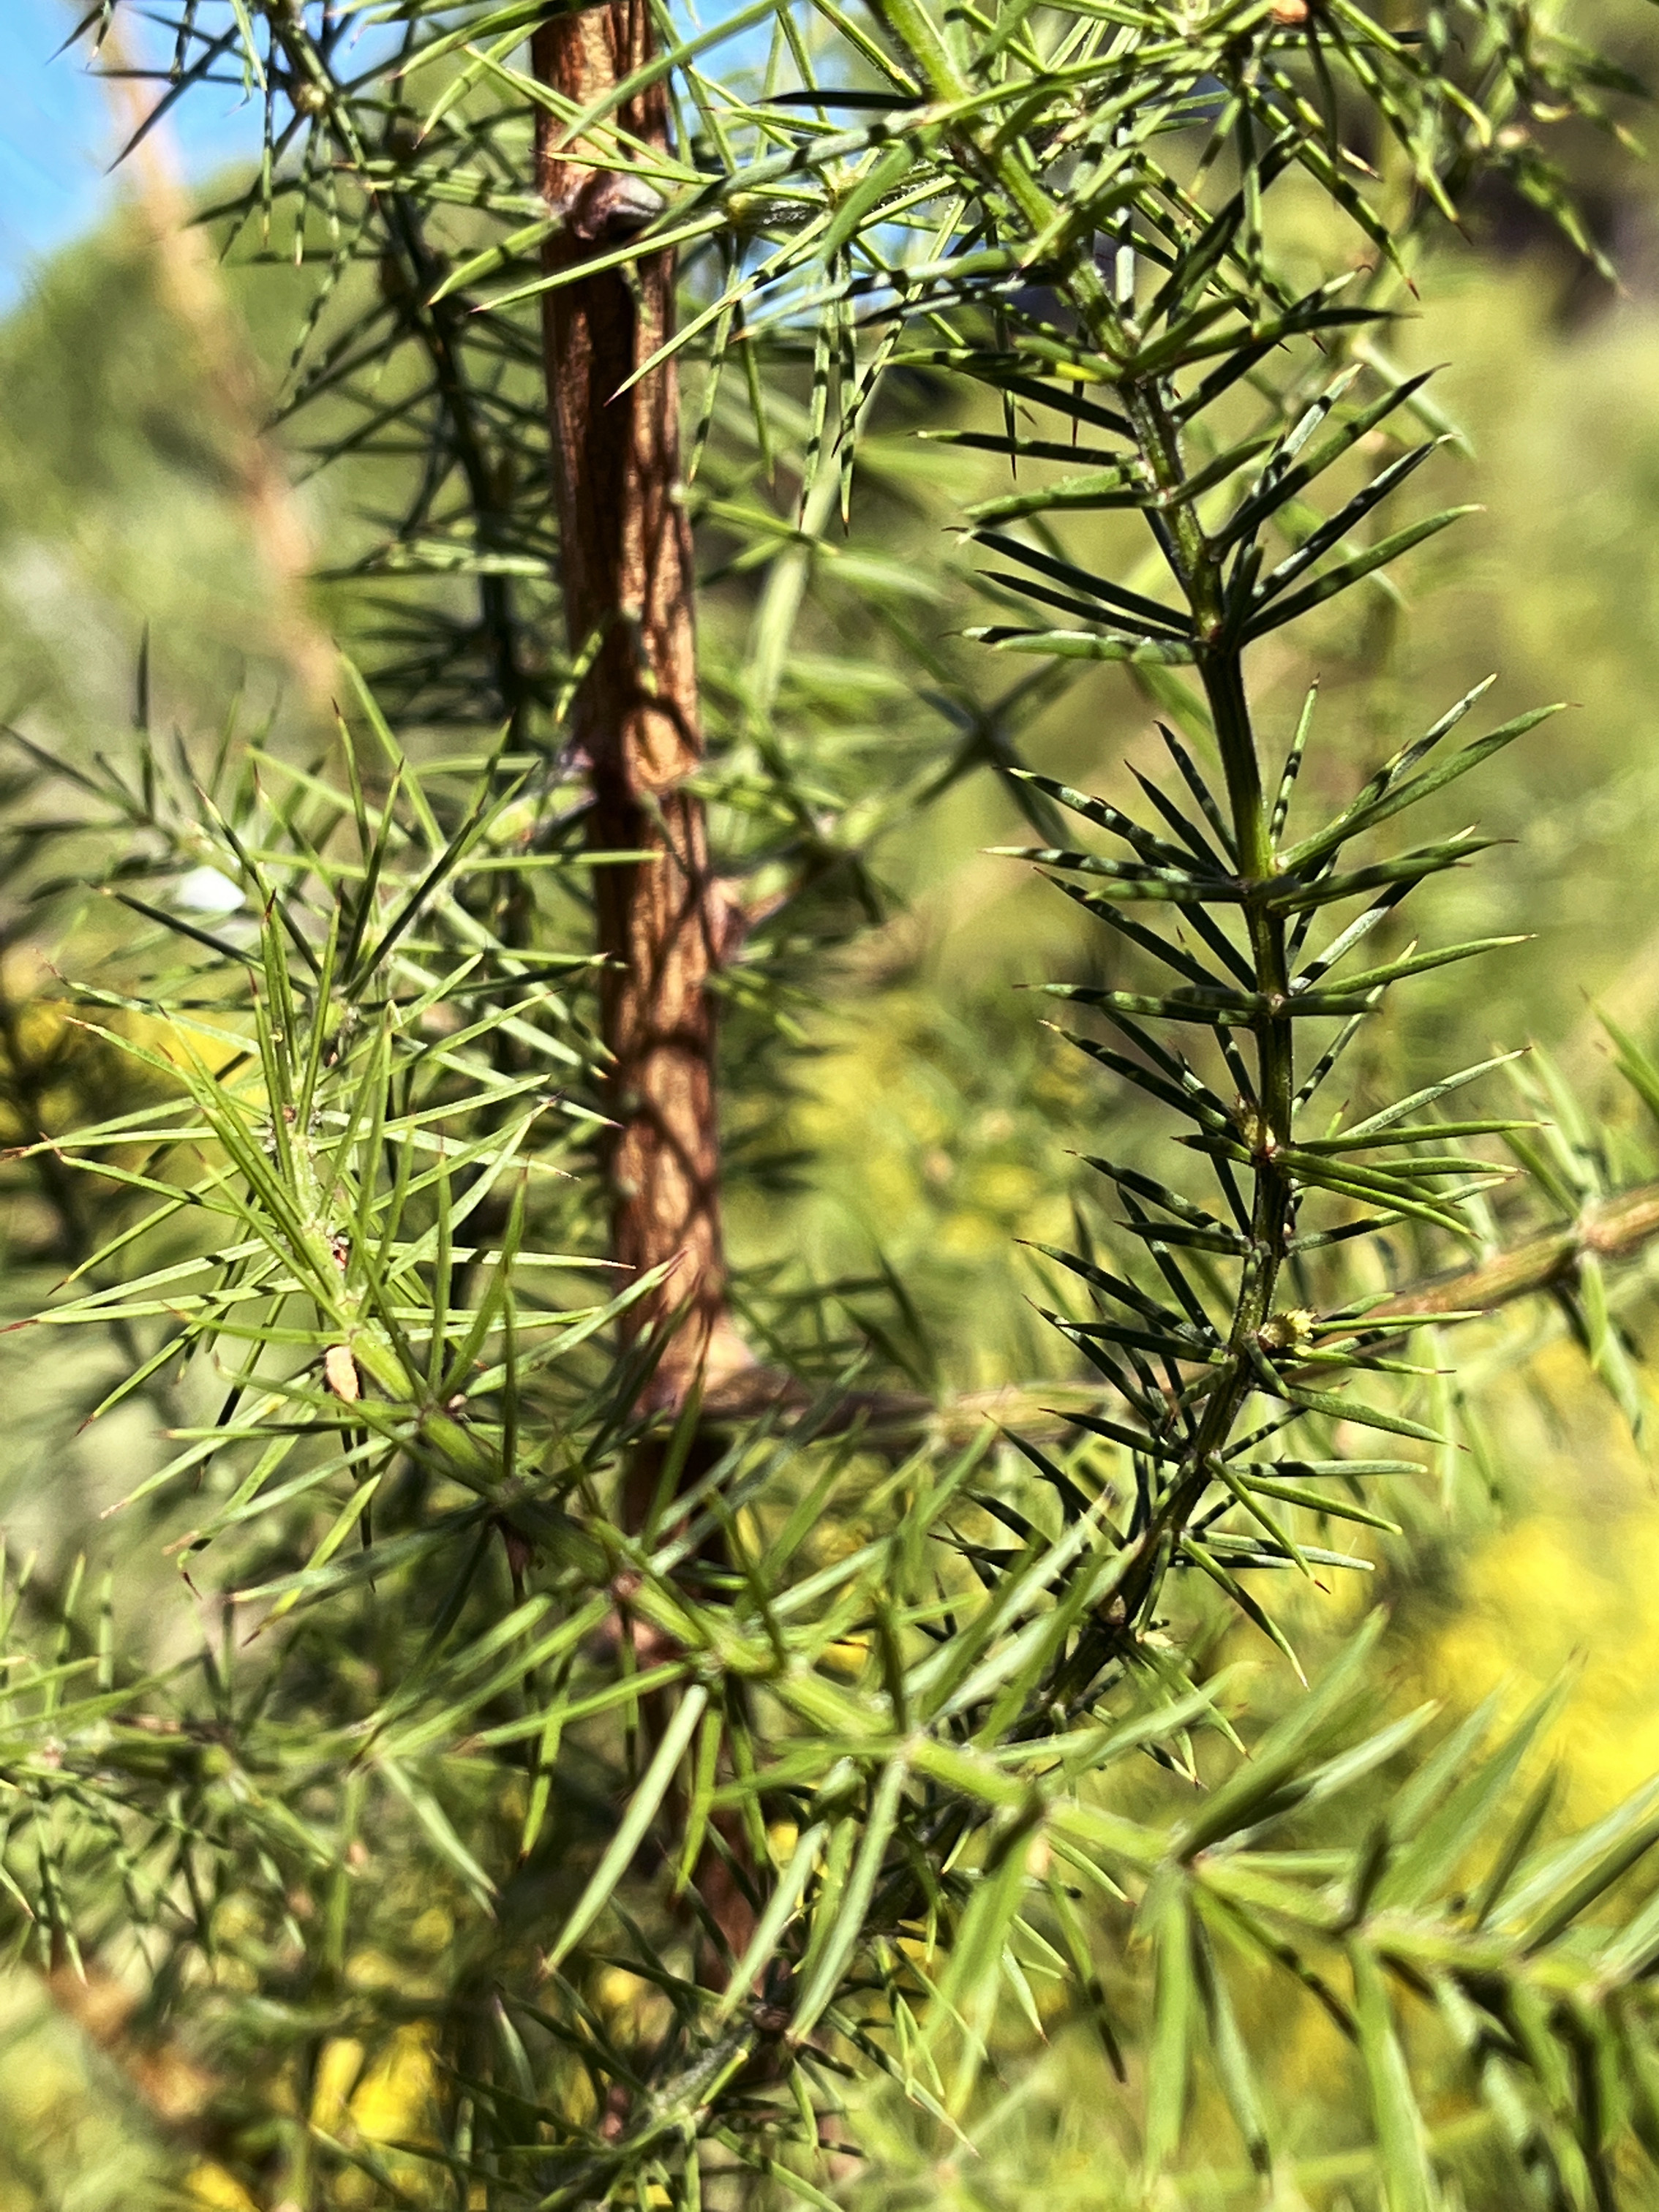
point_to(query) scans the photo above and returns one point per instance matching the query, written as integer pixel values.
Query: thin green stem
(1267, 1118)
(1198, 571)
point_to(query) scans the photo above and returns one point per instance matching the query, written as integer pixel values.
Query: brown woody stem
(627, 576)
(626, 566)
(1616, 1229)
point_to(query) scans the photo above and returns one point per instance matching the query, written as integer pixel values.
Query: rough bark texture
(626, 571)
(627, 576)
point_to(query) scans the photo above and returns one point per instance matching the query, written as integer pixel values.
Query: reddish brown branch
(627, 576)
(625, 554)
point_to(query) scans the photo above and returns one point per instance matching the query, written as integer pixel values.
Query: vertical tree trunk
(626, 569)
(627, 576)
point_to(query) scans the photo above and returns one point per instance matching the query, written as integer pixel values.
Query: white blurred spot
(204, 891)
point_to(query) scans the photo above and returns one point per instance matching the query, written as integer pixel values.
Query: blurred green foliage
(928, 1121)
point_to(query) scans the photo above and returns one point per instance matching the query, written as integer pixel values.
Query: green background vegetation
(933, 1123)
